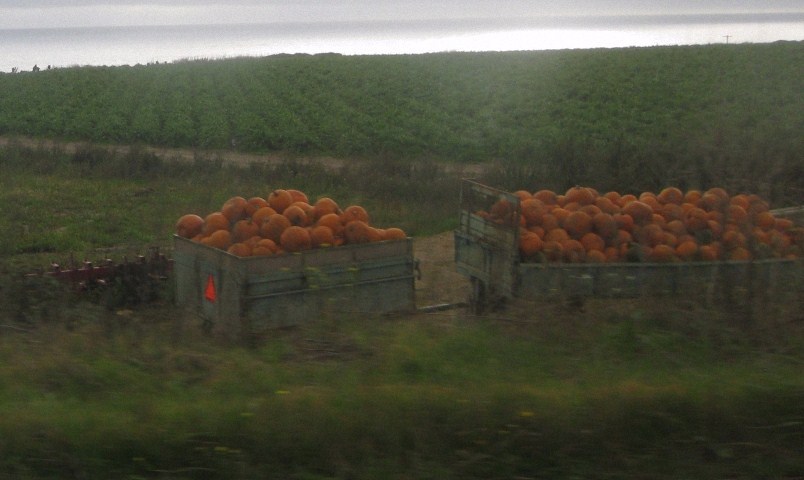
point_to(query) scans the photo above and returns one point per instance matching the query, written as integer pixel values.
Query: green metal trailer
(486, 251)
(243, 296)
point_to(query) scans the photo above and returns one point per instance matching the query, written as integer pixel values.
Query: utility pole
(727, 38)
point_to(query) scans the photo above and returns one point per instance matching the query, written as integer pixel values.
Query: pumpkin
(573, 251)
(556, 235)
(296, 215)
(394, 233)
(260, 216)
(324, 206)
(662, 253)
(553, 250)
(264, 246)
(357, 231)
(547, 197)
(532, 209)
(220, 239)
(240, 249)
(279, 200)
(765, 220)
(671, 195)
(295, 239)
(234, 208)
(580, 195)
(189, 225)
(641, 212)
(298, 196)
(255, 203)
(321, 236)
(687, 250)
(244, 229)
(354, 213)
(605, 225)
(577, 224)
(530, 243)
(596, 256)
(593, 241)
(503, 212)
(606, 205)
(215, 221)
(274, 226)
(333, 221)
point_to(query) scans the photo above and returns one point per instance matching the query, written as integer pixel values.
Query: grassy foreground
(638, 392)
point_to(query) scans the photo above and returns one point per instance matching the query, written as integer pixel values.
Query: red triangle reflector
(209, 292)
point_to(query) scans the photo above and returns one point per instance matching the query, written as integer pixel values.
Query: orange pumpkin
(322, 236)
(605, 225)
(354, 213)
(687, 250)
(240, 249)
(357, 231)
(220, 239)
(234, 208)
(274, 226)
(530, 244)
(295, 239)
(671, 195)
(260, 216)
(279, 200)
(553, 250)
(394, 233)
(324, 206)
(547, 197)
(296, 215)
(592, 241)
(503, 211)
(215, 221)
(255, 203)
(244, 229)
(577, 224)
(581, 195)
(573, 251)
(532, 210)
(298, 196)
(264, 246)
(663, 254)
(641, 212)
(765, 220)
(333, 221)
(189, 225)
(596, 256)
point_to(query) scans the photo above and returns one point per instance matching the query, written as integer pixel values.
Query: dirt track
(190, 154)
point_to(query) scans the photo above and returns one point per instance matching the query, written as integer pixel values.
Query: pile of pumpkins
(283, 222)
(583, 225)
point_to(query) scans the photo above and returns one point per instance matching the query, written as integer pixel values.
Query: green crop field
(100, 385)
(684, 114)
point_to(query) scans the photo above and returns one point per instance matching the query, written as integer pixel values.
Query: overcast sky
(73, 13)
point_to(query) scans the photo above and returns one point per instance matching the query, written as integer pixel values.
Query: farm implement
(127, 282)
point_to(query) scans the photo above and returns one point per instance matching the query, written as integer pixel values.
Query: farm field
(730, 114)
(101, 386)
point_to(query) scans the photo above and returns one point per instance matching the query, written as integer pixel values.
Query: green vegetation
(692, 116)
(642, 392)
(93, 199)
(662, 389)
